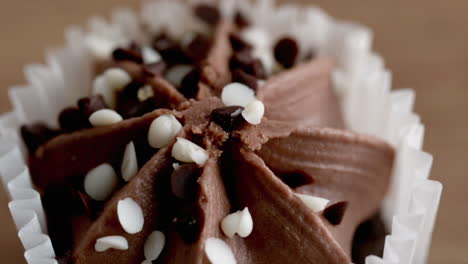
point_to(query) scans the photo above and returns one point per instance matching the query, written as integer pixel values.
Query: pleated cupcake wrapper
(361, 80)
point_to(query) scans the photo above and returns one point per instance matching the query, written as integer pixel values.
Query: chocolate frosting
(302, 132)
(343, 165)
(302, 96)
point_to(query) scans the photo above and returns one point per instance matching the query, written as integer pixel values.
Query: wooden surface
(425, 44)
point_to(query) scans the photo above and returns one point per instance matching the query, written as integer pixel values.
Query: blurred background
(424, 43)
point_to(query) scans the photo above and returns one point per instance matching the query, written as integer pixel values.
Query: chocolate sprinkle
(242, 77)
(121, 54)
(240, 20)
(296, 179)
(229, 118)
(184, 181)
(36, 134)
(286, 51)
(89, 105)
(72, 119)
(335, 212)
(208, 13)
(189, 84)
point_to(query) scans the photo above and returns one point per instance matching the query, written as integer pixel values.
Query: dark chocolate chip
(208, 13)
(170, 51)
(57, 201)
(154, 69)
(286, 51)
(72, 119)
(184, 181)
(335, 212)
(149, 105)
(240, 59)
(129, 93)
(242, 77)
(189, 84)
(91, 104)
(134, 108)
(199, 47)
(245, 61)
(129, 109)
(121, 54)
(36, 134)
(144, 151)
(229, 118)
(240, 20)
(297, 179)
(81, 204)
(256, 69)
(238, 44)
(187, 224)
(369, 239)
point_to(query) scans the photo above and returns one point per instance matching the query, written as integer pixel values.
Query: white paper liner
(361, 80)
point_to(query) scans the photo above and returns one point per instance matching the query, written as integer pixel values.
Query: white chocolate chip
(108, 242)
(314, 203)
(175, 165)
(163, 130)
(100, 182)
(147, 262)
(258, 37)
(245, 223)
(130, 215)
(145, 93)
(129, 166)
(104, 117)
(268, 62)
(98, 47)
(107, 83)
(150, 55)
(154, 245)
(187, 151)
(102, 87)
(117, 78)
(218, 252)
(176, 74)
(262, 44)
(237, 94)
(239, 222)
(253, 112)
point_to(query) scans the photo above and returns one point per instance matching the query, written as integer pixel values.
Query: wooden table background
(423, 41)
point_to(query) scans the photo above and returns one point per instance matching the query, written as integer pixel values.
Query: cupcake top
(220, 144)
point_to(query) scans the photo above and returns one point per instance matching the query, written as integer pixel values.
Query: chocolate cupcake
(221, 135)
